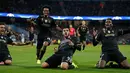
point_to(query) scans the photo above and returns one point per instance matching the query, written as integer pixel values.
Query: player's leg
(1, 63)
(102, 64)
(82, 40)
(103, 60)
(45, 65)
(7, 62)
(43, 50)
(1, 59)
(38, 49)
(84, 44)
(45, 44)
(121, 59)
(52, 62)
(125, 64)
(7, 59)
(64, 65)
(67, 63)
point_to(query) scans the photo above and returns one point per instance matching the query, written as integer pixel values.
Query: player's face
(83, 23)
(66, 32)
(2, 28)
(108, 23)
(32, 29)
(46, 11)
(70, 26)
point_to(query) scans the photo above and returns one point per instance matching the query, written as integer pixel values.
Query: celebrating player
(63, 56)
(5, 57)
(44, 25)
(110, 51)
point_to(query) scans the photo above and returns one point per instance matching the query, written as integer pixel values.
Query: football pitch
(24, 60)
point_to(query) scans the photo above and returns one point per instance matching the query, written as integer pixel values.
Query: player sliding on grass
(63, 55)
(110, 51)
(5, 57)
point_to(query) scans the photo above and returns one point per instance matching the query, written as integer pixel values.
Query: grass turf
(24, 60)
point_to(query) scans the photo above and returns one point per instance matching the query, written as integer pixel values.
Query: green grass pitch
(24, 60)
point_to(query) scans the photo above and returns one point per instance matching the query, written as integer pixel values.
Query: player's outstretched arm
(77, 31)
(58, 28)
(19, 43)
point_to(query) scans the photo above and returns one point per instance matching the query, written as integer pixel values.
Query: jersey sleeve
(76, 42)
(87, 29)
(53, 24)
(37, 21)
(78, 30)
(9, 41)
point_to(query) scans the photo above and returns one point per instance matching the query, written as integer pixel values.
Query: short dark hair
(2, 23)
(108, 19)
(46, 6)
(66, 26)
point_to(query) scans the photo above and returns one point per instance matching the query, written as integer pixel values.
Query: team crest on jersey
(46, 21)
(83, 28)
(109, 31)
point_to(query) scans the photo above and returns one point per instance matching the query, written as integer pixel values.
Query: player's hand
(94, 33)
(78, 47)
(14, 43)
(71, 43)
(55, 49)
(79, 35)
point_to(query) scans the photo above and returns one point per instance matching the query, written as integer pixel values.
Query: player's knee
(2, 63)
(8, 62)
(125, 64)
(45, 65)
(100, 66)
(45, 43)
(64, 65)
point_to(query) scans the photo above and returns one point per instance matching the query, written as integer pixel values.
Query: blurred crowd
(67, 7)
